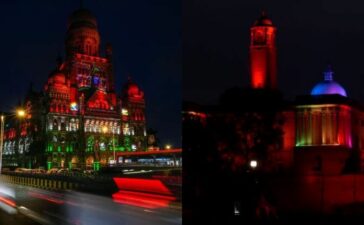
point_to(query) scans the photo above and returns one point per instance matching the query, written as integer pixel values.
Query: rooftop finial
(263, 14)
(59, 61)
(129, 77)
(328, 73)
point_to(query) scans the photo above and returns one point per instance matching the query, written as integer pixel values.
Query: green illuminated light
(49, 165)
(96, 166)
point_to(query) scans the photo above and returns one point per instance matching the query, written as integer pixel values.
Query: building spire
(263, 14)
(328, 73)
(129, 77)
(59, 60)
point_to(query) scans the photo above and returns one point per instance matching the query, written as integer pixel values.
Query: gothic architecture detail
(78, 119)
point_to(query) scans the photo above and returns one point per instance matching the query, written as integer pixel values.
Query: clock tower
(263, 65)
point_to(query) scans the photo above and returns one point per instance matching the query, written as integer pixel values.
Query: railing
(96, 184)
(100, 184)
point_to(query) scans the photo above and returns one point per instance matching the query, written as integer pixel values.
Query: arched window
(55, 124)
(63, 126)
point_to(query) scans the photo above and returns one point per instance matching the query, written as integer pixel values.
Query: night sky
(146, 39)
(310, 35)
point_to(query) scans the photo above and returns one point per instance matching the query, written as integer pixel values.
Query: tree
(153, 140)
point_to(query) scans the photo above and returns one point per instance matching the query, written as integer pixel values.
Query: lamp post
(20, 113)
(113, 146)
(1, 141)
(253, 164)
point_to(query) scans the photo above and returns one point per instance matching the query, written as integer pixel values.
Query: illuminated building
(133, 116)
(327, 129)
(321, 133)
(263, 63)
(79, 120)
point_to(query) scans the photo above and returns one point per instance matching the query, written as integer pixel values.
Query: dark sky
(310, 34)
(146, 39)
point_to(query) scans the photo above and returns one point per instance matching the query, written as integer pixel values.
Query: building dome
(328, 86)
(82, 18)
(263, 20)
(132, 89)
(82, 34)
(59, 78)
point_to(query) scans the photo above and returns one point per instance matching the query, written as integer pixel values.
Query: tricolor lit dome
(328, 86)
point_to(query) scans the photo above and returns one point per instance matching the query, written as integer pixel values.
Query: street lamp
(168, 146)
(20, 113)
(1, 141)
(253, 164)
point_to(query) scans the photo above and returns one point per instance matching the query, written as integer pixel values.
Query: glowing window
(124, 112)
(74, 106)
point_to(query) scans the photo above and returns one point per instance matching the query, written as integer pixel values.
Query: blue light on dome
(328, 86)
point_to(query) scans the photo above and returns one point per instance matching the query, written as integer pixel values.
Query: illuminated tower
(133, 116)
(82, 34)
(263, 68)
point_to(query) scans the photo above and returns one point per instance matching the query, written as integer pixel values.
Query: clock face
(259, 38)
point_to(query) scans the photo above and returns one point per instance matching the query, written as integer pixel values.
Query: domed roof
(263, 20)
(59, 78)
(328, 86)
(81, 18)
(132, 89)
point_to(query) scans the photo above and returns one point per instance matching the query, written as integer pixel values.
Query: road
(38, 206)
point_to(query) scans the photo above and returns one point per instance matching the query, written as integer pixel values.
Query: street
(38, 206)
